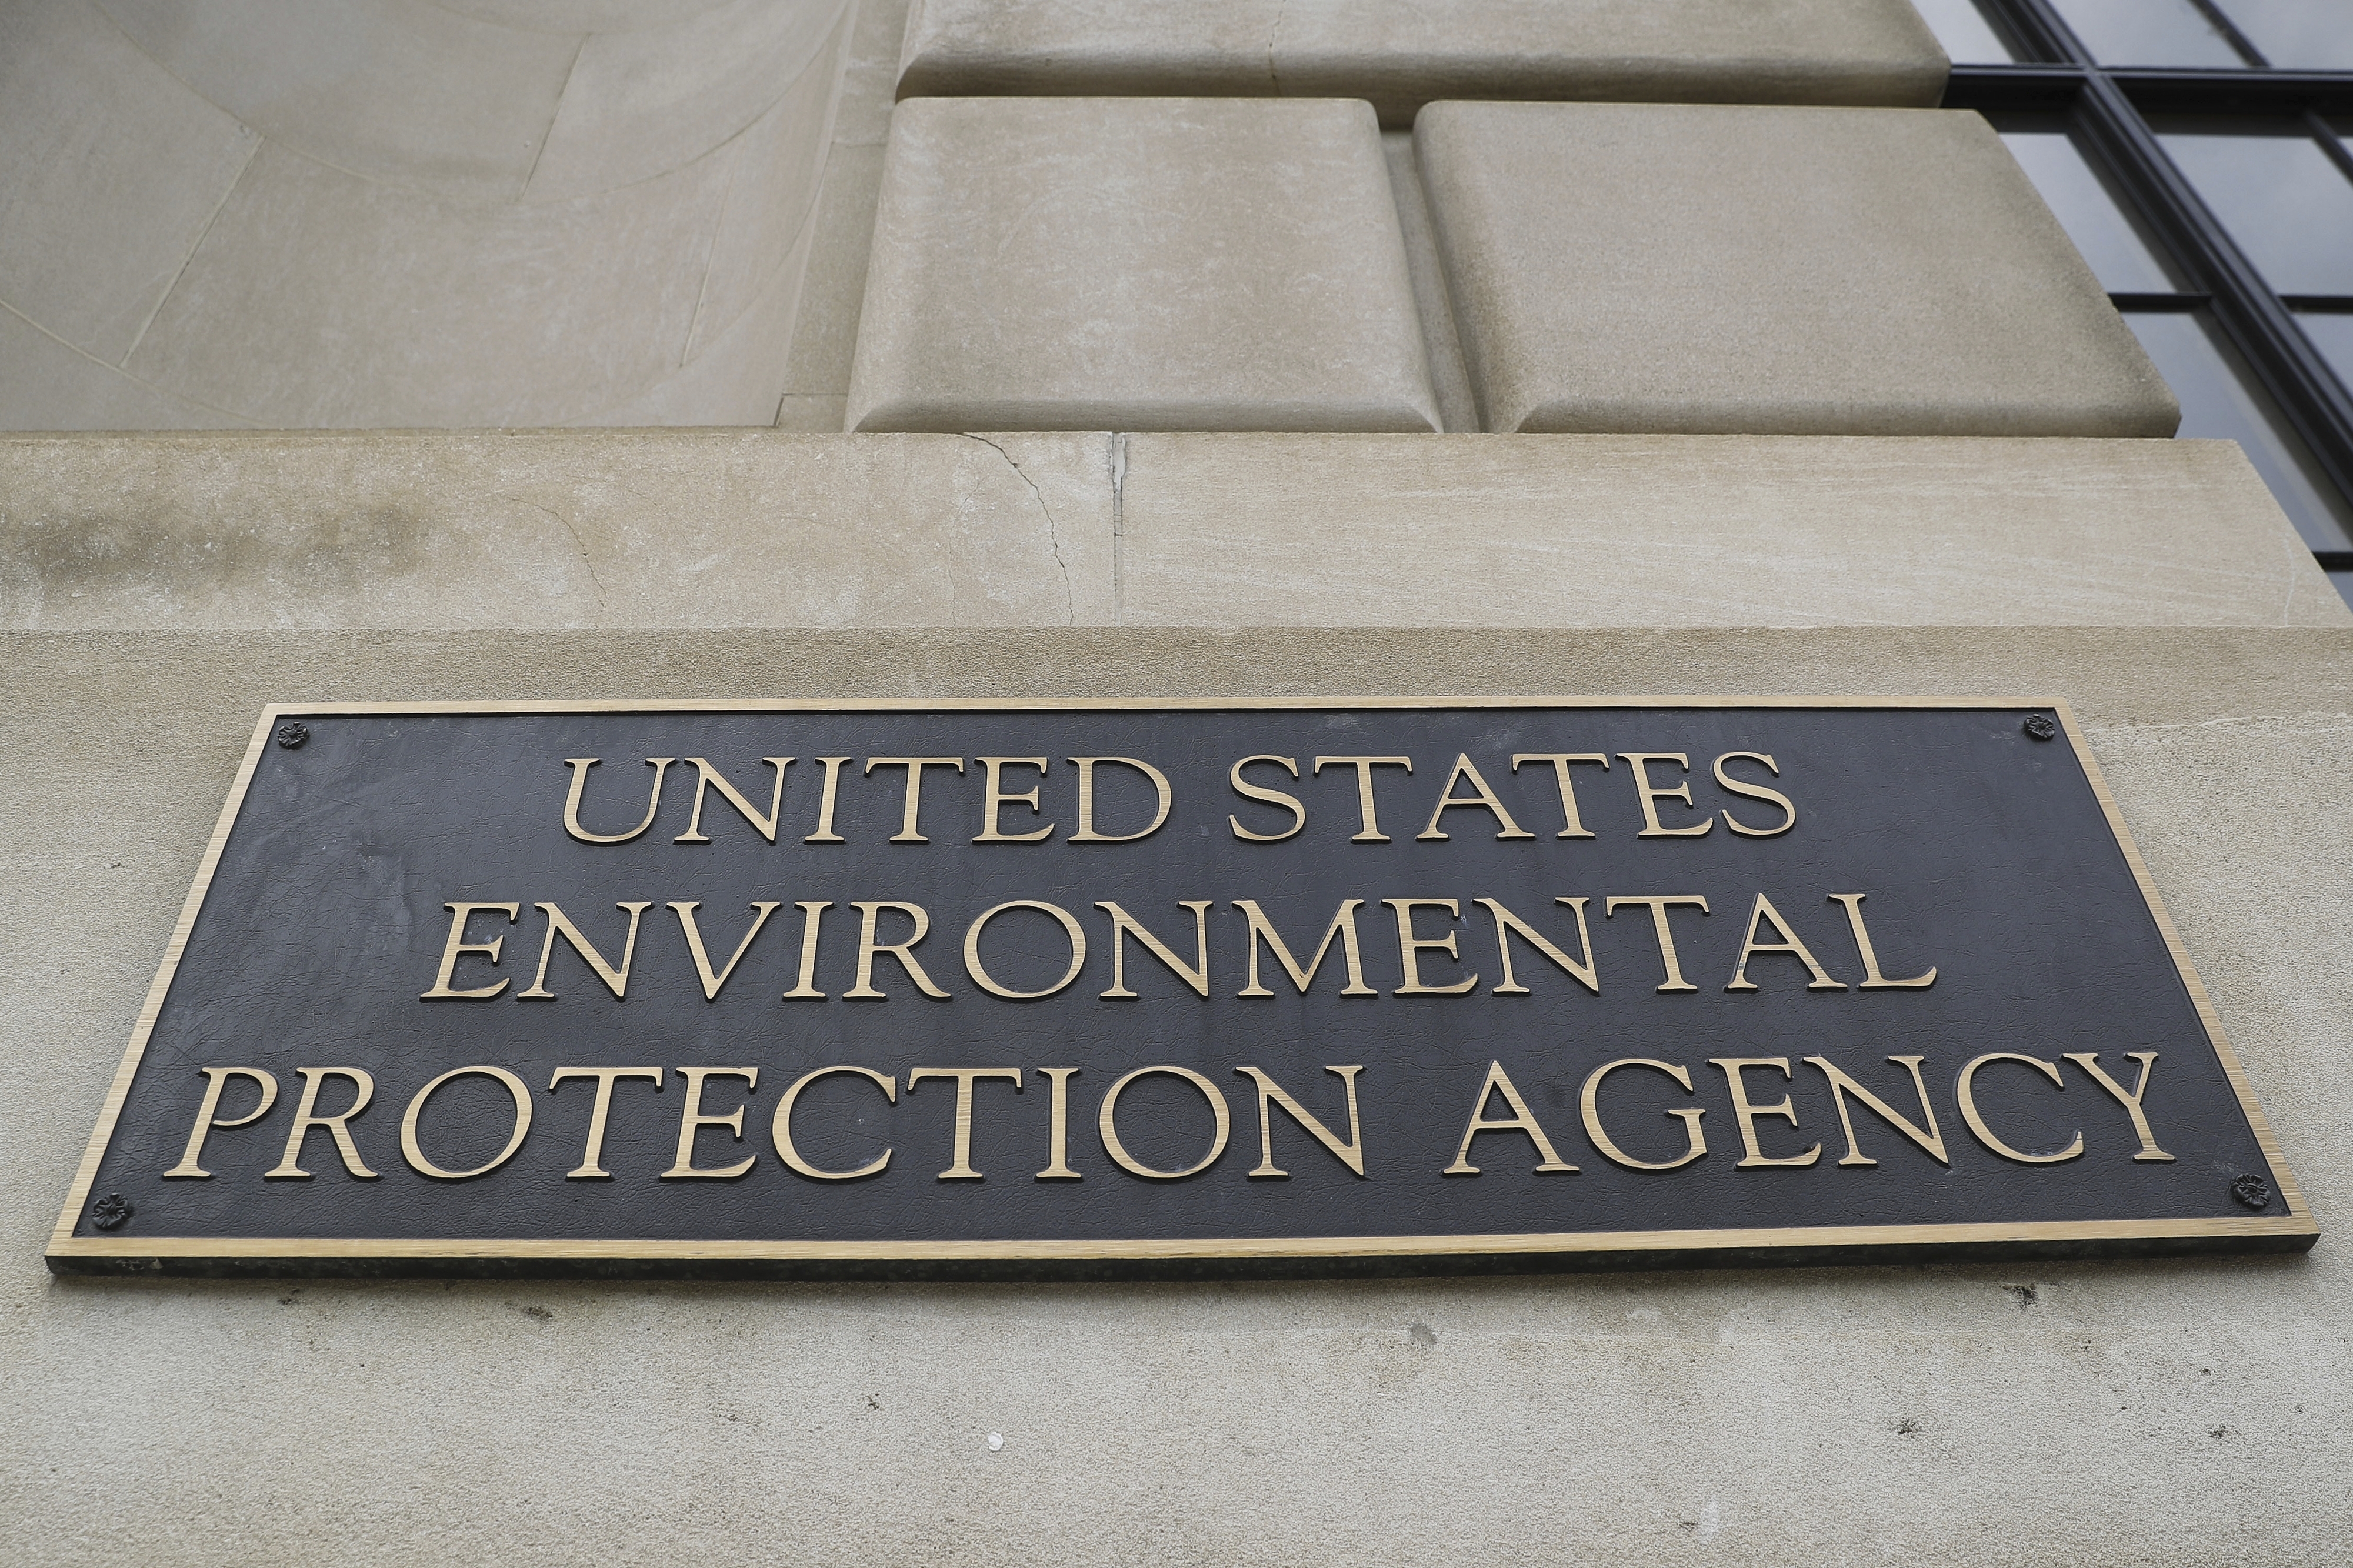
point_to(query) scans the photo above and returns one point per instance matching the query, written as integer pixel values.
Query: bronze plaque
(775, 988)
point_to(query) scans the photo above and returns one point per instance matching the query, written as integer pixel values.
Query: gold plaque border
(66, 1249)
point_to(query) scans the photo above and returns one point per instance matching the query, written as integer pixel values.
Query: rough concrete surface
(1400, 54)
(2085, 1414)
(1137, 263)
(555, 529)
(1735, 269)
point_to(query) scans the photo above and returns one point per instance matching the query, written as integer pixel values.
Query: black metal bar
(2255, 320)
(2158, 301)
(2156, 89)
(2240, 43)
(2319, 304)
(2334, 560)
(2257, 323)
(2317, 127)
(2026, 90)
(2164, 91)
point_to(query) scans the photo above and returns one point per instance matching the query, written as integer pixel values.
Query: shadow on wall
(385, 212)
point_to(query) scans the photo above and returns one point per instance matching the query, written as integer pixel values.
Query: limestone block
(1401, 54)
(1769, 271)
(1148, 264)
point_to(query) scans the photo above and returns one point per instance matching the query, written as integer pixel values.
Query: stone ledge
(431, 530)
(550, 529)
(1401, 54)
(1633, 531)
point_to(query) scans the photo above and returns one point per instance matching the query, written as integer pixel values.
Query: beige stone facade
(1149, 263)
(1800, 274)
(1049, 348)
(714, 529)
(2042, 1413)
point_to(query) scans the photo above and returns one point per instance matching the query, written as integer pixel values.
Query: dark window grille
(2210, 185)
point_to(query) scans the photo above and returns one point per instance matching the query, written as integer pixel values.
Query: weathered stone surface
(1769, 271)
(402, 212)
(1972, 1414)
(555, 529)
(1621, 530)
(1401, 54)
(1147, 264)
(549, 528)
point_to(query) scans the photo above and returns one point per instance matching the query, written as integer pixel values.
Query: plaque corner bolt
(110, 1212)
(2039, 726)
(2253, 1191)
(292, 734)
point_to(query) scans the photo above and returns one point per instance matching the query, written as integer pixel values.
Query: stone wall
(407, 212)
(1719, 362)
(2187, 1411)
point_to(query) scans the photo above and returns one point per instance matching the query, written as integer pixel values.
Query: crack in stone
(1118, 527)
(578, 543)
(523, 192)
(1053, 538)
